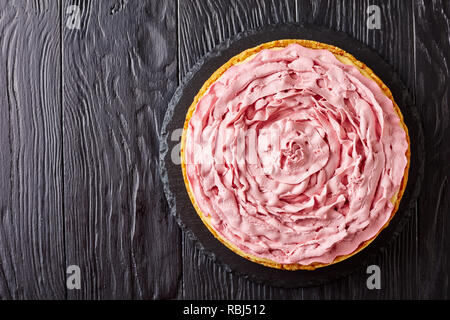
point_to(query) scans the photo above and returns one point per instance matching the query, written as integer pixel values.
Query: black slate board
(172, 178)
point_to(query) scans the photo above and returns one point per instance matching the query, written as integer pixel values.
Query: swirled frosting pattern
(295, 156)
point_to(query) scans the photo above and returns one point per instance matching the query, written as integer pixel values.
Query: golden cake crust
(345, 58)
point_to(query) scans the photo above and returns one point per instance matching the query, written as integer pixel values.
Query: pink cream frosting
(295, 156)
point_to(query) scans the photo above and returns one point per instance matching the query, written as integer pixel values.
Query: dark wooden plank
(433, 98)
(204, 24)
(120, 70)
(31, 217)
(395, 43)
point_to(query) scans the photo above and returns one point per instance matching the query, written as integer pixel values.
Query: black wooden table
(84, 86)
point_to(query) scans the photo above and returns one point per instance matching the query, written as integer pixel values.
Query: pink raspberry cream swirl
(295, 156)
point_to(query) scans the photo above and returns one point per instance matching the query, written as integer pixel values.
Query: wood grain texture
(31, 216)
(204, 24)
(433, 98)
(80, 117)
(120, 70)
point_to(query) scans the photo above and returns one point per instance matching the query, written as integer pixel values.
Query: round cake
(295, 154)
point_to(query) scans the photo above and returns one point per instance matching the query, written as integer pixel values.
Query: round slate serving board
(171, 174)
